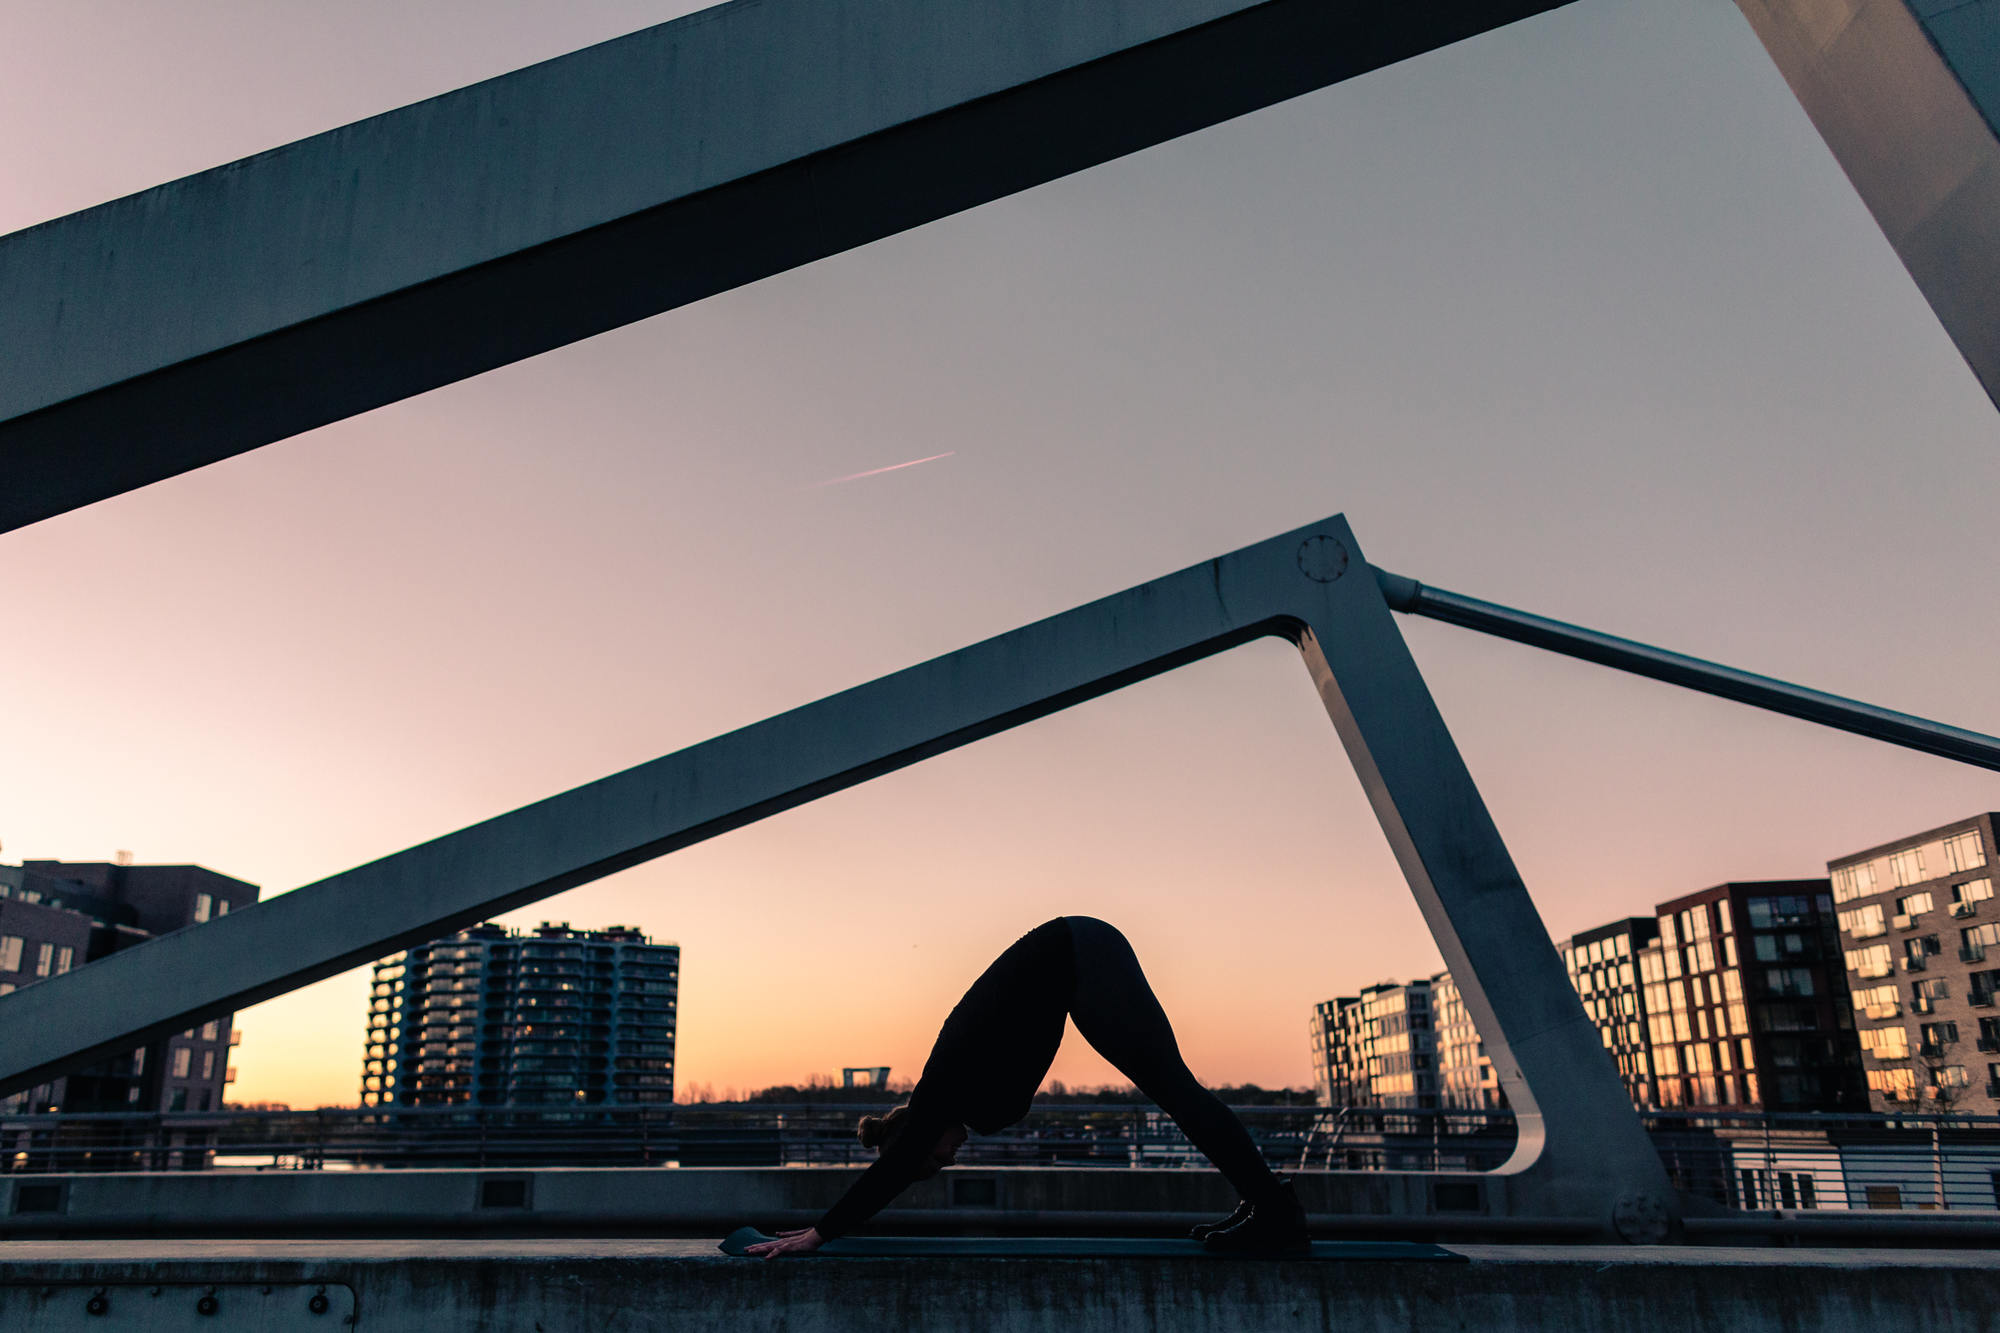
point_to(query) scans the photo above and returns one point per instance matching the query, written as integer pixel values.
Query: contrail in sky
(878, 471)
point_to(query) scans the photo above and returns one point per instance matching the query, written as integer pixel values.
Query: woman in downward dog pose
(996, 1047)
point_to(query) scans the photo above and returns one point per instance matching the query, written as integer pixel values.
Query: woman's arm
(904, 1159)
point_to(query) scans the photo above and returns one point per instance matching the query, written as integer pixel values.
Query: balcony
(1902, 921)
(1931, 1050)
(1890, 1010)
(1916, 962)
(1964, 909)
(1971, 953)
(1989, 1045)
(1981, 999)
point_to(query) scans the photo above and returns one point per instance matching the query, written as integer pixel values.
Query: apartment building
(1603, 965)
(1747, 1001)
(1378, 1048)
(1467, 1080)
(59, 915)
(1921, 942)
(556, 1017)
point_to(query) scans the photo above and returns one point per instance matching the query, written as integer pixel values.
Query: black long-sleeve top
(992, 1053)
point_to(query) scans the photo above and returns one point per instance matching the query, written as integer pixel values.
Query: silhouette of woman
(996, 1047)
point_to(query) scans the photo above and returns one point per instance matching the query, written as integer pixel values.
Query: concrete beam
(1907, 94)
(653, 1200)
(453, 1285)
(206, 317)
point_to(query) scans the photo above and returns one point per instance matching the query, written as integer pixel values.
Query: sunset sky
(1581, 317)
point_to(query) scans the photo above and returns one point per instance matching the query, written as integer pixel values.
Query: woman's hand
(788, 1242)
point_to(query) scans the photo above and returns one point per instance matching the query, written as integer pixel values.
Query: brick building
(1921, 936)
(59, 915)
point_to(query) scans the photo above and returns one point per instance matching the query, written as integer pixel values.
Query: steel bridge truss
(1581, 1152)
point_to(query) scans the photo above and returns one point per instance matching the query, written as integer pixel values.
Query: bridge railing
(1754, 1161)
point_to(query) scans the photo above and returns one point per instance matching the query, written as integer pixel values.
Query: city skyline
(1580, 316)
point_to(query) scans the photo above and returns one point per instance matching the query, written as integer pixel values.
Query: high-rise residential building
(1603, 965)
(1921, 936)
(1466, 1078)
(1747, 1001)
(1340, 1077)
(57, 915)
(493, 1017)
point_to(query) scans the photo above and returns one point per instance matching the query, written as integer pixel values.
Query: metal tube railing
(1829, 710)
(1753, 1163)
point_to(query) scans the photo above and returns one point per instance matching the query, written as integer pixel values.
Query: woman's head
(876, 1130)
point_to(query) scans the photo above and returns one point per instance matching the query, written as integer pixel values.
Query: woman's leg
(1118, 1014)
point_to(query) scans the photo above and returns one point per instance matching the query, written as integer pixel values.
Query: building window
(1788, 980)
(1962, 851)
(65, 959)
(178, 1101)
(1874, 961)
(1862, 923)
(207, 1066)
(1974, 942)
(180, 1063)
(1915, 904)
(1906, 867)
(1966, 896)
(1886, 1043)
(203, 906)
(1853, 881)
(209, 1030)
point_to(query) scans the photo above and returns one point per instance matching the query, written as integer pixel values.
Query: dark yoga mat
(1074, 1247)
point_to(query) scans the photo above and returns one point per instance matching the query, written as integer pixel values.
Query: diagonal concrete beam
(206, 317)
(1907, 94)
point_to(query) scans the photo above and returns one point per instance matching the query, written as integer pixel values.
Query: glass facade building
(556, 1017)
(1378, 1048)
(1603, 965)
(1466, 1077)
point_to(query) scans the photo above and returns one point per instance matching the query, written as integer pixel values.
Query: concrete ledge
(675, 1200)
(458, 1286)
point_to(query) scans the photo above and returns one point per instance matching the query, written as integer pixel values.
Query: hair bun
(874, 1130)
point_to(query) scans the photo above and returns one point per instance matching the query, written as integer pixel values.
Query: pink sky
(1580, 317)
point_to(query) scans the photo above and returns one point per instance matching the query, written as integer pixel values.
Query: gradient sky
(1580, 316)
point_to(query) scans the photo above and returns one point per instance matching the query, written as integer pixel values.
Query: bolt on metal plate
(173, 1307)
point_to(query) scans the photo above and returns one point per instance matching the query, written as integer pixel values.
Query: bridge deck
(449, 1285)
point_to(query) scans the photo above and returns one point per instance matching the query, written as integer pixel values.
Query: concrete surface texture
(458, 1286)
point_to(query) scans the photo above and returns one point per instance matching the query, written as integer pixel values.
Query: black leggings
(1116, 1011)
